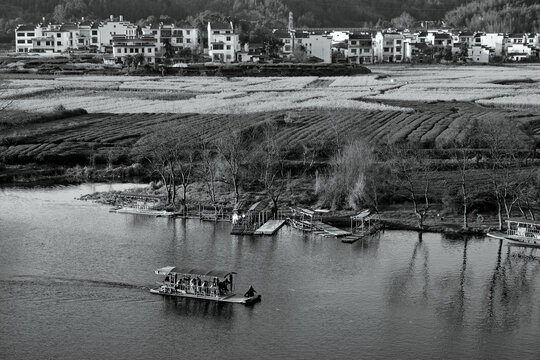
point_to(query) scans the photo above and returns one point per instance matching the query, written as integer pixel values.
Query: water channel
(74, 283)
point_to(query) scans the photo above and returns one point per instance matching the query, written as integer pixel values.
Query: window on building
(20, 41)
(119, 50)
(149, 50)
(386, 49)
(287, 47)
(94, 41)
(94, 32)
(58, 43)
(228, 47)
(38, 43)
(287, 41)
(398, 57)
(398, 49)
(398, 42)
(228, 38)
(188, 32)
(179, 40)
(353, 42)
(228, 57)
(366, 50)
(30, 34)
(216, 32)
(227, 31)
(131, 50)
(353, 51)
(47, 43)
(20, 34)
(188, 41)
(142, 50)
(58, 35)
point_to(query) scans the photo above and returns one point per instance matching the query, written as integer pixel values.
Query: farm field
(429, 105)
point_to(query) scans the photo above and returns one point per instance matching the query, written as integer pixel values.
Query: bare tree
(233, 149)
(209, 170)
(413, 176)
(268, 163)
(508, 151)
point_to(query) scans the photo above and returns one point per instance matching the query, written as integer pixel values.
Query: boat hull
(233, 299)
(515, 239)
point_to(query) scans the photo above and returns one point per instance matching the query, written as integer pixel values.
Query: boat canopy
(173, 269)
(364, 214)
(524, 221)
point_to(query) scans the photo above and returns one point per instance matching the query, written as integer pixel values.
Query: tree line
(487, 169)
(494, 170)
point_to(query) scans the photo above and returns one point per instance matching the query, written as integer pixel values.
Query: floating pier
(325, 229)
(147, 212)
(270, 227)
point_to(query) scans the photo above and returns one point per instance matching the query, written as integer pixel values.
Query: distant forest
(487, 15)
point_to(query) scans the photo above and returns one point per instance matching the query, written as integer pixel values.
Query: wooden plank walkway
(330, 230)
(349, 239)
(270, 227)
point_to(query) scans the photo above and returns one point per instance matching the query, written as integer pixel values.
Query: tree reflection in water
(510, 292)
(402, 281)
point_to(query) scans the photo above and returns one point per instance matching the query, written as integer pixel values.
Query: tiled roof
(220, 25)
(442, 36)
(26, 28)
(282, 34)
(68, 27)
(360, 36)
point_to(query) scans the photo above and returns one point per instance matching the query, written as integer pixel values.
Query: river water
(74, 283)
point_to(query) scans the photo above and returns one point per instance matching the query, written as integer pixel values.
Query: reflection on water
(74, 283)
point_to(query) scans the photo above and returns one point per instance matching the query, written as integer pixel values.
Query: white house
(389, 47)
(180, 36)
(123, 45)
(317, 45)
(223, 43)
(494, 42)
(114, 26)
(24, 34)
(360, 49)
(480, 54)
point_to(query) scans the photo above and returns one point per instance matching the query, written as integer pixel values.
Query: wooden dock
(349, 239)
(147, 212)
(325, 229)
(270, 227)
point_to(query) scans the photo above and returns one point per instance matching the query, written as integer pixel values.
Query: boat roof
(362, 215)
(174, 269)
(524, 221)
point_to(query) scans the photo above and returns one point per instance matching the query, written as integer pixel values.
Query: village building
(286, 38)
(389, 47)
(24, 35)
(114, 26)
(223, 42)
(179, 36)
(316, 45)
(123, 46)
(360, 49)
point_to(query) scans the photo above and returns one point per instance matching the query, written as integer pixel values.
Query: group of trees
(492, 169)
(237, 157)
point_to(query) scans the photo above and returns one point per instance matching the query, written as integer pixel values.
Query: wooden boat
(524, 232)
(213, 285)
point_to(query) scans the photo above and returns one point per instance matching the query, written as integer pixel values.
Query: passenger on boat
(251, 292)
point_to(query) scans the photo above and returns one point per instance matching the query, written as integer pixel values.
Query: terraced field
(426, 105)
(75, 139)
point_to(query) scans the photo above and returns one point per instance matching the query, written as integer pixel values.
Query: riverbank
(396, 217)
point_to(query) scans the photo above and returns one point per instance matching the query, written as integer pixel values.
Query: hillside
(306, 12)
(497, 16)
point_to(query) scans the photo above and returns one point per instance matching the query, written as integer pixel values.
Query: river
(74, 283)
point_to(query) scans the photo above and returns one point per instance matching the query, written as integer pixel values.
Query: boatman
(250, 293)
